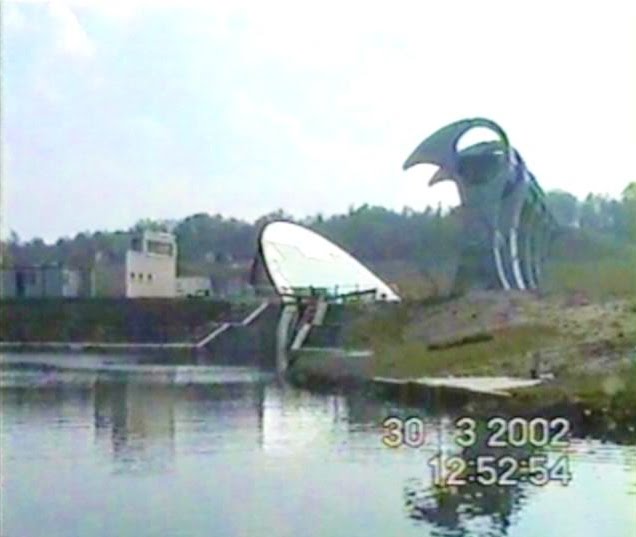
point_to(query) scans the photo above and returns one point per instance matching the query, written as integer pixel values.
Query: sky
(117, 111)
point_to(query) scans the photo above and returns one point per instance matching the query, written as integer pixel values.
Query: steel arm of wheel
(506, 223)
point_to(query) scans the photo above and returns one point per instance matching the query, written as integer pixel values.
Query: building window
(132, 275)
(149, 277)
(161, 248)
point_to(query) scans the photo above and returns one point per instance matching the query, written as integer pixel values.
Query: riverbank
(585, 351)
(169, 330)
(113, 321)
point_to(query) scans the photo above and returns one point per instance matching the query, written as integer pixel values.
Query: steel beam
(504, 217)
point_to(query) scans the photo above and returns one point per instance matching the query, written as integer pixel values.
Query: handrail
(227, 325)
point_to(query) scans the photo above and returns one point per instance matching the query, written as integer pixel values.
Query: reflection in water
(296, 420)
(139, 421)
(157, 452)
(472, 509)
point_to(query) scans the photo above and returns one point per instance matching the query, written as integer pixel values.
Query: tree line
(368, 232)
(601, 214)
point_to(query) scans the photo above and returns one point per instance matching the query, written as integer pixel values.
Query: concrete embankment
(153, 320)
(584, 351)
(140, 325)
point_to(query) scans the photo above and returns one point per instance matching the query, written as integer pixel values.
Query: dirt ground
(584, 336)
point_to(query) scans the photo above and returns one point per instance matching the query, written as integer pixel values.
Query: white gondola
(299, 262)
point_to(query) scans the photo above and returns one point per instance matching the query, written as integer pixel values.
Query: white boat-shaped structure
(298, 262)
(309, 273)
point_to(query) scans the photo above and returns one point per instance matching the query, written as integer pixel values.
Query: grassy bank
(600, 279)
(585, 340)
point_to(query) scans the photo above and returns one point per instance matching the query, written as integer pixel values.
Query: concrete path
(488, 385)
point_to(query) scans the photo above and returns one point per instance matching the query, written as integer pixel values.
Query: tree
(14, 238)
(629, 207)
(564, 206)
(425, 239)
(148, 224)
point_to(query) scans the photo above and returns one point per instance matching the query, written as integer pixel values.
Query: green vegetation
(505, 353)
(588, 347)
(599, 265)
(599, 214)
(611, 395)
(206, 241)
(597, 258)
(601, 280)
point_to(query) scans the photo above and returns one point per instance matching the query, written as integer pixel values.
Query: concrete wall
(194, 286)
(109, 280)
(232, 287)
(153, 320)
(150, 275)
(23, 283)
(252, 344)
(151, 266)
(7, 284)
(61, 282)
(39, 282)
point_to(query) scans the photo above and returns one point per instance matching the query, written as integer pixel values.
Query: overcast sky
(164, 109)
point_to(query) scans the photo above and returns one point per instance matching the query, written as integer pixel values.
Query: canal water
(118, 446)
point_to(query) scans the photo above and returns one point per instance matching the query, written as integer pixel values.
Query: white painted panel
(297, 257)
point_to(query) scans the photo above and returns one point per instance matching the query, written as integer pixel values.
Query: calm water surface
(115, 448)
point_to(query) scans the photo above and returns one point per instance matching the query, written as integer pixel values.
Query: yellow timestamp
(502, 471)
(408, 432)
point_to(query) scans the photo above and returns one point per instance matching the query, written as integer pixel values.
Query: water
(105, 449)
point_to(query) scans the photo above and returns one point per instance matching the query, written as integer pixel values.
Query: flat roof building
(151, 265)
(42, 281)
(147, 269)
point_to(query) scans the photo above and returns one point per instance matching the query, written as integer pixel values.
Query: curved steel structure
(507, 227)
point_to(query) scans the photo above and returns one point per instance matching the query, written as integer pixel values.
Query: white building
(147, 269)
(151, 265)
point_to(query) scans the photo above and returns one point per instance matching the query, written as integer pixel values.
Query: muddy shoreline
(606, 419)
(585, 352)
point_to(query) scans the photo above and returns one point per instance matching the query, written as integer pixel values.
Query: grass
(585, 346)
(384, 327)
(612, 393)
(600, 279)
(583, 342)
(426, 285)
(508, 352)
